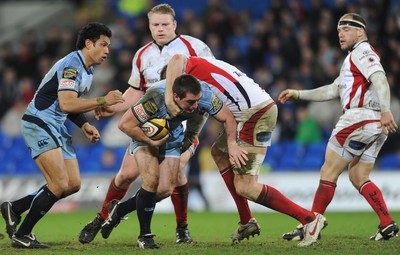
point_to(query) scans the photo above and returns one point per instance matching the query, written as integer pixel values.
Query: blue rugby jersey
(152, 106)
(69, 73)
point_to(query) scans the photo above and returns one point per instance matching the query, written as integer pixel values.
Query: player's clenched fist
(112, 97)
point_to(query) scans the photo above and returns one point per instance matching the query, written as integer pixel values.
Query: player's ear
(176, 97)
(174, 24)
(360, 32)
(88, 44)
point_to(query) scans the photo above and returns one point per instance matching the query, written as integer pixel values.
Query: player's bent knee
(74, 188)
(126, 178)
(162, 195)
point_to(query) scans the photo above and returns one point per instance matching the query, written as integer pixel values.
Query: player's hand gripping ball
(156, 128)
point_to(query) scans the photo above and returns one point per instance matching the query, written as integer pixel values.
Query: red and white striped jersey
(234, 88)
(151, 58)
(355, 88)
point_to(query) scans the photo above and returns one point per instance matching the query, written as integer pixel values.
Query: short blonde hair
(162, 9)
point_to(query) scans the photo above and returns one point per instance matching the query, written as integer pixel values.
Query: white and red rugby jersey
(151, 58)
(234, 88)
(355, 88)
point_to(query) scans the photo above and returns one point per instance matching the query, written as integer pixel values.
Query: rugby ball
(155, 129)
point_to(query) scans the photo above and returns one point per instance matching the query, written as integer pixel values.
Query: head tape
(350, 23)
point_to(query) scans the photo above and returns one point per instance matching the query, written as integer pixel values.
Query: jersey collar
(356, 45)
(160, 47)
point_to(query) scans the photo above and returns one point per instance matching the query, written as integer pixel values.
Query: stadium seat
(273, 156)
(390, 161)
(314, 157)
(26, 168)
(5, 141)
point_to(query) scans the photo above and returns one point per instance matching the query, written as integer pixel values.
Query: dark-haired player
(58, 98)
(146, 66)
(158, 161)
(255, 113)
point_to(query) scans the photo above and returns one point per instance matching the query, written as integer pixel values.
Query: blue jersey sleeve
(209, 102)
(151, 105)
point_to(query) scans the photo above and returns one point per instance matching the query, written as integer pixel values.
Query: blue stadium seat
(390, 161)
(119, 153)
(274, 154)
(290, 155)
(5, 141)
(27, 168)
(314, 156)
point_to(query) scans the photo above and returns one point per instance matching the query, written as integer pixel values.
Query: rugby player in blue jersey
(158, 161)
(59, 97)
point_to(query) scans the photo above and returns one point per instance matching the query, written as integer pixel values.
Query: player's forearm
(382, 89)
(130, 126)
(320, 94)
(80, 105)
(131, 96)
(134, 132)
(174, 70)
(231, 131)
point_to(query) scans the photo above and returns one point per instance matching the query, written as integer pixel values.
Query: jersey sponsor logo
(150, 107)
(140, 113)
(216, 103)
(69, 73)
(239, 74)
(373, 104)
(67, 84)
(367, 54)
(372, 65)
(263, 137)
(43, 143)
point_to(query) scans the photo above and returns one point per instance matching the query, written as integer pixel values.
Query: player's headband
(350, 23)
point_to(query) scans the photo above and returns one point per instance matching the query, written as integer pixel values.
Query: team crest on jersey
(69, 73)
(216, 102)
(150, 107)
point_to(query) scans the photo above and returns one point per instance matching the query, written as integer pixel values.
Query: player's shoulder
(364, 52)
(145, 48)
(207, 92)
(72, 59)
(192, 40)
(72, 64)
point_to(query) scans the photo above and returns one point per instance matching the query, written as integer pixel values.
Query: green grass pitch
(347, 233)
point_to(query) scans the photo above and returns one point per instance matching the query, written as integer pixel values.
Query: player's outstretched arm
(71, 103)
(130, 96)
(320, 94)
